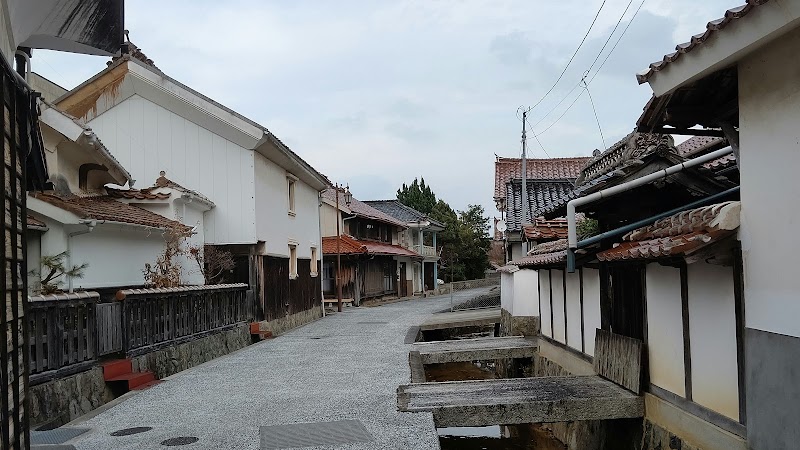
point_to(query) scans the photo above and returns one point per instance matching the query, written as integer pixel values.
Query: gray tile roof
(401, 212)
(540, 194)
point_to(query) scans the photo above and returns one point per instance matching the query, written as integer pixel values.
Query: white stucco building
(266, 197)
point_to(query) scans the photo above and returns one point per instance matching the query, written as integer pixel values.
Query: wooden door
(403, 287)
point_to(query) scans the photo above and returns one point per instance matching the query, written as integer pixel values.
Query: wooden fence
(69, 332)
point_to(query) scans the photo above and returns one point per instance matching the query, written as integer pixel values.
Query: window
(291, 181)
(292, 261)
(313, 261)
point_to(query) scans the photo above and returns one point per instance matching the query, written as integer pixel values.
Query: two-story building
(266, 196)
(373, 263)
(419, 235)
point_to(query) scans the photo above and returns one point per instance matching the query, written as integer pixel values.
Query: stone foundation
(172, 360)
(657, 438)
(284, 324)
(621, 434)
(518, 325)
(59, 401)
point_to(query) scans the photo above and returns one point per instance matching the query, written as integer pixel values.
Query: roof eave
(723, 49)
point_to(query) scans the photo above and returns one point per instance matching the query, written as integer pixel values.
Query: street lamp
(348, 198)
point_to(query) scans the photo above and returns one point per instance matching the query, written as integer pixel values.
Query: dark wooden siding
(282, 296)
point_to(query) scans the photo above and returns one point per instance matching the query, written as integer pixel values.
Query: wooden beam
(619, 359)
(687, 347)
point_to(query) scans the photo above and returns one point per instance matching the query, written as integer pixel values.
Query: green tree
(473, 241)
(418, 196)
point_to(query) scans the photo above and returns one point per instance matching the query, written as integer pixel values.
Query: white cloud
(377, 93)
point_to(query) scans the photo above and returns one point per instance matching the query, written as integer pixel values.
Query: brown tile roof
(352, 246)
(712, 28)
(32, 222)
(680, 234)
(136, 194)
(545, 254)
(362, 209)
(546, 229)
(507, 169)
(721, 163)
(107, 208)
(697, 144)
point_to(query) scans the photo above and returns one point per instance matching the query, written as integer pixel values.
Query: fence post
(451, 296)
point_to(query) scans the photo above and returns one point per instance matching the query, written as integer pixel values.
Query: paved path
(345, 366)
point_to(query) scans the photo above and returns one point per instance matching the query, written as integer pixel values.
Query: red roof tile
(136, 194)
(712, 28)
(546, 229)
(106, 208)
(32, 222)
(352, 246)
(506, 169)
(697, 144)
(680, 234)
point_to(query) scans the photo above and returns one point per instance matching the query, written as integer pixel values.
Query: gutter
(572, 237)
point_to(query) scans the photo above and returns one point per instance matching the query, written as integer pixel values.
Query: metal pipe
(572, 238)
(338, 255)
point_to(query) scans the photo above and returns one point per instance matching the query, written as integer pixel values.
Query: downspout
(572, 237)
(90, 224)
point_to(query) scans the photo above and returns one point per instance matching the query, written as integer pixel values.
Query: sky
(376, 93)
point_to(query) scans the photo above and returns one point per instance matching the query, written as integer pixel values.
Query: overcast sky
(375, 93)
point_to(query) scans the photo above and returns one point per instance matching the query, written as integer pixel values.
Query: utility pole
(338, 253)
(525, 215)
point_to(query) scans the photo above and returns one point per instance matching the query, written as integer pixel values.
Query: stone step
(144, 386)
(133, 379)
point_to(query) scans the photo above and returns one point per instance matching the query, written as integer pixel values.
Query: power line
(591, 100)
(573, 56)
(608, 55)
(585, 74)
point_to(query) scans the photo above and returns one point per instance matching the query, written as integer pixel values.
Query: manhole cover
(130, 431)
(313, 434)
(183, 440)
(56, 435)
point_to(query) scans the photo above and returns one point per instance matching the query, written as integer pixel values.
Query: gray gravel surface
(346, 366)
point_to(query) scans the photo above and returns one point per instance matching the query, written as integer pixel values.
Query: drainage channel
(498, 437)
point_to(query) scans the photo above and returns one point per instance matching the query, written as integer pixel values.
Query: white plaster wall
(544, 302)
(591, 307)
(147, 138)
(516, 250)
(526, 293)
(769, 114)
(507, 291)
(665, 328)
(116, 255)
(328, 219)
(573, 298)
(275, 225)
(712, 328)
(557, 285)
(7, 46)
(33, 258)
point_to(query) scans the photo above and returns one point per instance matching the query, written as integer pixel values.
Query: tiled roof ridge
(632, 147)
(697, 144)
(137, 194)
(718, 217)
(419, 214)
(542, 169)
(548, 247)
(712, 28)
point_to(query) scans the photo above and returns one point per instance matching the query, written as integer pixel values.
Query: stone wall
(172, 360)
(515, 325)
(65, 399)
(622, 434)
(284, 324)
(658, 438)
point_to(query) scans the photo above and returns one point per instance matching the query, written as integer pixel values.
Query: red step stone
(134, 379)
(142, 387)
(116, 368)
